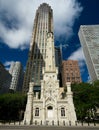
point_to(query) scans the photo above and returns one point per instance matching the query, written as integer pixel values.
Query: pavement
(5, 127)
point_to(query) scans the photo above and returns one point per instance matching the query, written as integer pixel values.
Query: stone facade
(52, 105)
(51, 108)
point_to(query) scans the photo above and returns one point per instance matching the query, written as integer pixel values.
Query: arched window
(37, 111)
(62, 111)
(50, 108)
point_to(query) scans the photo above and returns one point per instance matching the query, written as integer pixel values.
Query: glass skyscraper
(89, 38)
(43, 23)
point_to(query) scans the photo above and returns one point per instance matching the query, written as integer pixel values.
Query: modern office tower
(17, 73)
(47, 103)
(11, 68)
(37, 53)
(70, 72)
(5, 79)
(89, 39)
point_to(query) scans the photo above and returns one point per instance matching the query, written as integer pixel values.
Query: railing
(52, 123)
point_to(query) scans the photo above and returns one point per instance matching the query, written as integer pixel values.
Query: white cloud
(8, 63)
(14, 38)
(77, 55)
(23, 11)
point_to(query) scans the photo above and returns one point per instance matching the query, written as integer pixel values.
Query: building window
(62, 111)
(37, 112)
(68, 79)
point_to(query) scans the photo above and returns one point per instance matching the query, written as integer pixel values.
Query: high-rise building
(5, 79)
(47, 102)
(37, 53)
(89, 39)
(12, 68)
(70, 72)
(16, 70)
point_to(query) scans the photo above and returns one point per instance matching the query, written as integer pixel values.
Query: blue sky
(16, 23)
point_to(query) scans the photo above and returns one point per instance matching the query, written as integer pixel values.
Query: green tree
(86, 100)
(12, 106)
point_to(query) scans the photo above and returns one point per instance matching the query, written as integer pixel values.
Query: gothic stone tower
(50, 104)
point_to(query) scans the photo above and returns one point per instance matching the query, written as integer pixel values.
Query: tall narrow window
(62, 111)
(37, 112)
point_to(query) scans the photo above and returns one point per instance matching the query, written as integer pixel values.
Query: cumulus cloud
(8, 63)
(77, 55)
(16, 19)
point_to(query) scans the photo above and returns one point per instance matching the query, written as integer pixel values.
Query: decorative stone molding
(29, 105)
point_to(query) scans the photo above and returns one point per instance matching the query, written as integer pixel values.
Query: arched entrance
(49, 112)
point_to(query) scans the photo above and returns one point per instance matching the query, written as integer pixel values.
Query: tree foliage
(86, 100)
(12, 106)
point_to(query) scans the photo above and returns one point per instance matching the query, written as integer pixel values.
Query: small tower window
(62, 111)
(37, 112)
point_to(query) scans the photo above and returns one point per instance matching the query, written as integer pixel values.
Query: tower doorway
(50, 112)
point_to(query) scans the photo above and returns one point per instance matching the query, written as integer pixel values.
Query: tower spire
(50, 56)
